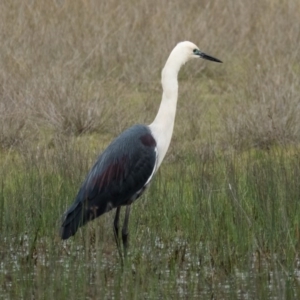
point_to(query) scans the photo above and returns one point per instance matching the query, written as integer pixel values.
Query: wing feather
(117, 178)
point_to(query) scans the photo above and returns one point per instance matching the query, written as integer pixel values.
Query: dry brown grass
(77, 67)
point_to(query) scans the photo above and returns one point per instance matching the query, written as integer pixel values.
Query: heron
(124, 170)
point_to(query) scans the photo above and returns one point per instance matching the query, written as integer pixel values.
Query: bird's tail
(72, 220)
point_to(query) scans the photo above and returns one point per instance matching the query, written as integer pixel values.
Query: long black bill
(205, 56)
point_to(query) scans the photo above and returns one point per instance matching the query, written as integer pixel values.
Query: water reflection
(182, 270)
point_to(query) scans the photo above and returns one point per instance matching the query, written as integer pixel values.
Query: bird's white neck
(163, 124)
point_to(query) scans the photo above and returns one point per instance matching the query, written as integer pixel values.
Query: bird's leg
(125, 230)
(116, 222)
(116, 230)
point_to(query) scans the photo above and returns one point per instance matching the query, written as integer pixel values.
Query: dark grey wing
(117, 178)
(122, 170)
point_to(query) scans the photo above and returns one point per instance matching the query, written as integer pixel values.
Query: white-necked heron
(126, 167)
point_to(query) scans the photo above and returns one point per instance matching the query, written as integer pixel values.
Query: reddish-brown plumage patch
(148, 140)
(113, 172)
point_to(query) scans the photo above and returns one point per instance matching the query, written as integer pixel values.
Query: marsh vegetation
(221, 219)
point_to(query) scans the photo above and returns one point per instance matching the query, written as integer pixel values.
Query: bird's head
(185, 51)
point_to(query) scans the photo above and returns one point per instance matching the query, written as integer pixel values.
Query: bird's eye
(195, 51)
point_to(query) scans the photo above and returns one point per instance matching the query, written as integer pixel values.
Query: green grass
(223, 227)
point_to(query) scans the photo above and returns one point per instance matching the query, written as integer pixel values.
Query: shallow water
(186, 276)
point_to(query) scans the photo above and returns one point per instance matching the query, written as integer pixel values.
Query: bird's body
(124, 170)
(119, 176)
